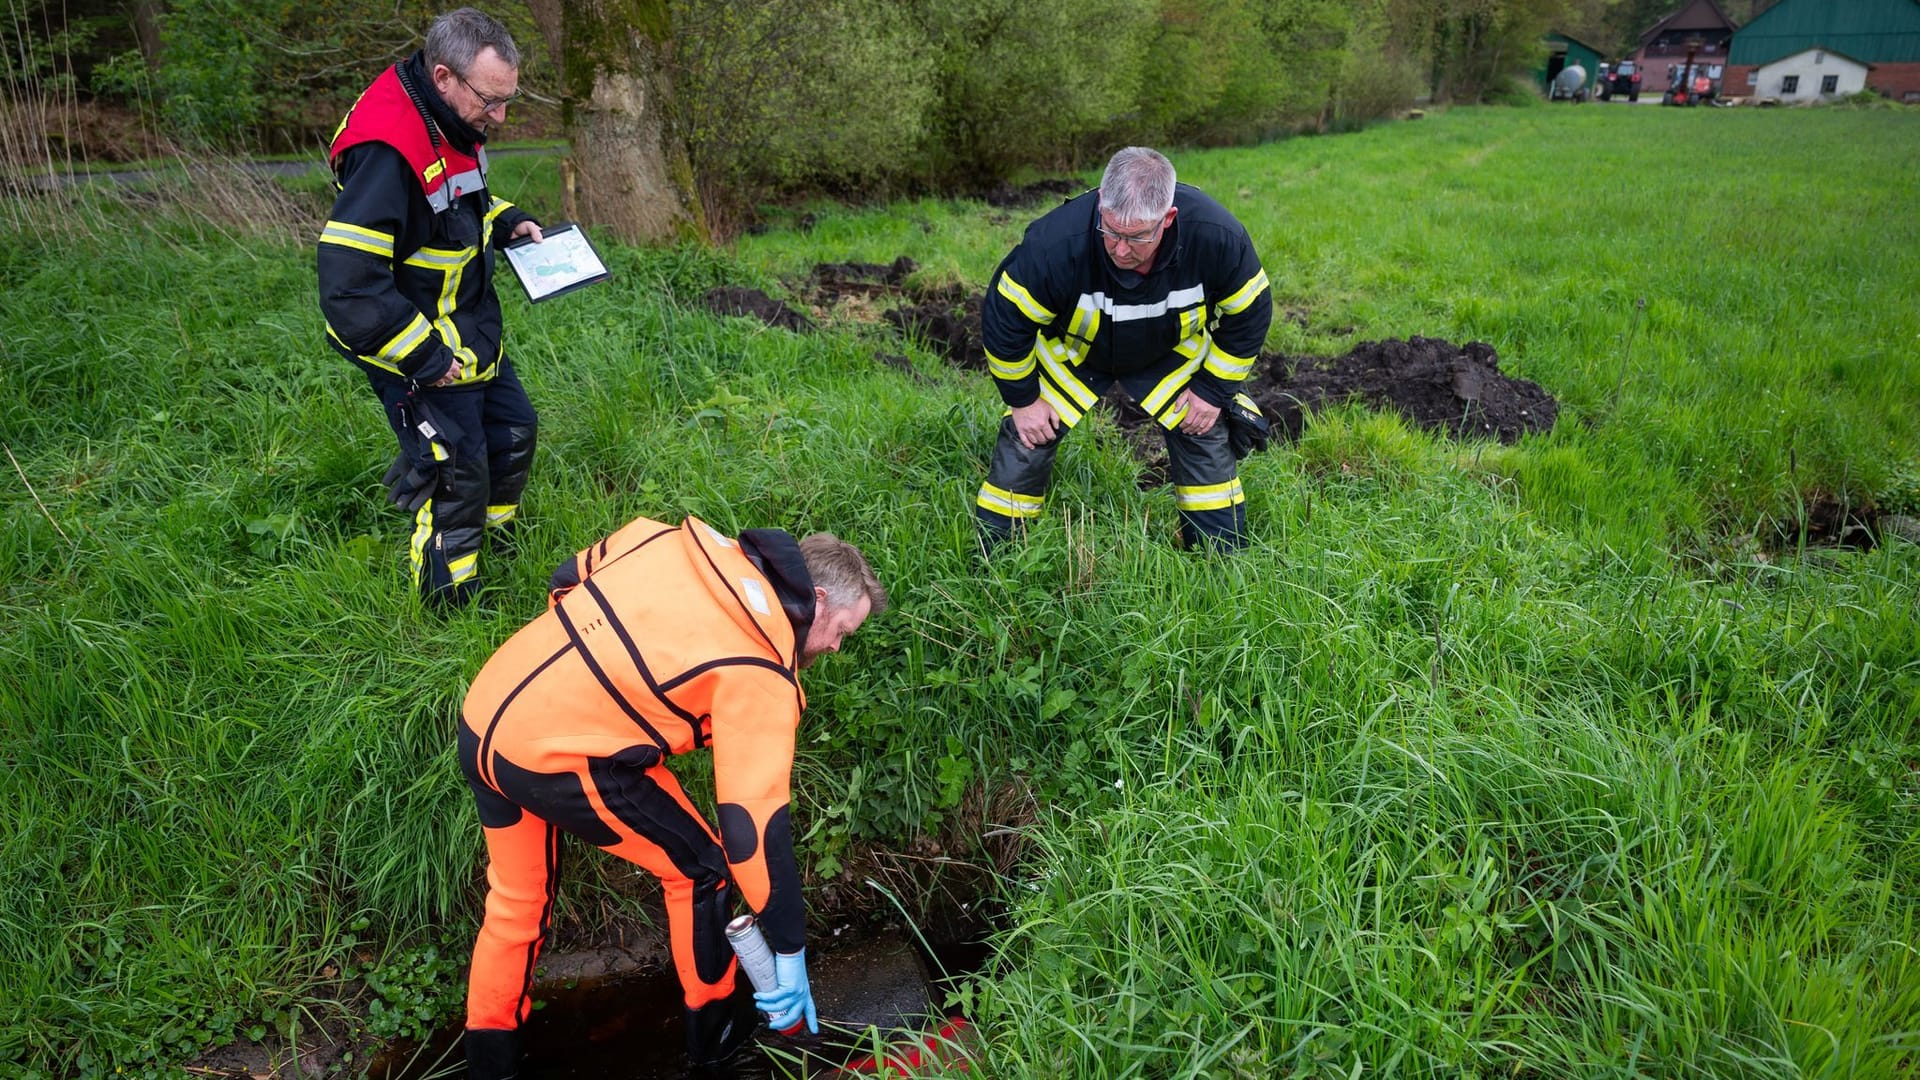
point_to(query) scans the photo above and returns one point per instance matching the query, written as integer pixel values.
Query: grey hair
(1138, 186)
(456, 38)
(840, 569)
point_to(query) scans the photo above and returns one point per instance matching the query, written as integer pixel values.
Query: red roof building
(1699, 25)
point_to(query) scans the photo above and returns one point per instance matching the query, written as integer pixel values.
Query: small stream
(871, 992)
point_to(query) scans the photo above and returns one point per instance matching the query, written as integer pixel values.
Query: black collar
(459, 134)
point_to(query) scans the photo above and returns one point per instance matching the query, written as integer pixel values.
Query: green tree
(240, 74)
(1478, 45)
(787, 93)
(1381, 70)
(617, 101)
(1031, 82)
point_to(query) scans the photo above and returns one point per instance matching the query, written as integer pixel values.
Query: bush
(775, 95)
(1031, 83)
(1517, 92)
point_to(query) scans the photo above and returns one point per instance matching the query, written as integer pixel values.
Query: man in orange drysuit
(656, 641)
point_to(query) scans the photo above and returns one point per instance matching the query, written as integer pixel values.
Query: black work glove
(1247, 429)
(409, 486)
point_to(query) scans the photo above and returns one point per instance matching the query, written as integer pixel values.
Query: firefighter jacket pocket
(459, 226)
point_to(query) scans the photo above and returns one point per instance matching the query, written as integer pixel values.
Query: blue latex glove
(792, 998)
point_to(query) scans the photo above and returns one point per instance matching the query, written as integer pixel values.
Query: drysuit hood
(775, 553)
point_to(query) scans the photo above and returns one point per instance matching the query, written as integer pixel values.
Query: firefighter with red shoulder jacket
(658, 640)
(406, 267)
(1143, 282)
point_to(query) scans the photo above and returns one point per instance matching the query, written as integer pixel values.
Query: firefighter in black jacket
(406, 266)
(1143, 282)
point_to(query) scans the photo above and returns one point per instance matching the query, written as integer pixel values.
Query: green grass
(1535, 760)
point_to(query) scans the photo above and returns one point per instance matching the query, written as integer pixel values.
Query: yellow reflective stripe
(1009, 503)
(1164, 391)
(462, 568)
(374, 360)
(1023, 300)
(452, 264)
(1228, 366)
(499, 207)
(450, 333)
(1086, 320)
(1054, 363)
(441, 259)
(1246, 295)
(1011, 370)
(1068, 412)
(407, 340)
(500, 515)
(359, 239)
(417, 545)
(1209, 496)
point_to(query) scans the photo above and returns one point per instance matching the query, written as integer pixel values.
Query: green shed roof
(1874, 31)
(1578, 52)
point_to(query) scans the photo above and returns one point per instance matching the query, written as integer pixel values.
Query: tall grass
(1483, 760)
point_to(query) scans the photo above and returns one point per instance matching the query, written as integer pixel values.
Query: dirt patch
(1435, 384)
(754, 304)
(1828, 521)
(946, 321)
(1006, 196)
(831, 281)
(942, 318)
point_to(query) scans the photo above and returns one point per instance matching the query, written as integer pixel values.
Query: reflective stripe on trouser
(1206, 488)
(1017, 481)
(1205, 476)
(481, 472)
(628, 804)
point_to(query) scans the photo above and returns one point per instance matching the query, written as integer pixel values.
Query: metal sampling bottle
(756, 959)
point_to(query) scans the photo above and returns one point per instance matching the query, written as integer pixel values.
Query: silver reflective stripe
(1178, 298)
(465, 183)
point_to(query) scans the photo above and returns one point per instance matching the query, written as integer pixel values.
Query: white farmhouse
(1815, 74)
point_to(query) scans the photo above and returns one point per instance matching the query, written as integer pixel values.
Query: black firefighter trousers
(1206, 480)
(480, 460)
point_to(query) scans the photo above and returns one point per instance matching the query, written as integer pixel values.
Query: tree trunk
(632, 171)
(146, 30)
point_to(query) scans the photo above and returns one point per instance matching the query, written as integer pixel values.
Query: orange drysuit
(657, 641)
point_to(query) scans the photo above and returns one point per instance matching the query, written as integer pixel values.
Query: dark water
(868, 994)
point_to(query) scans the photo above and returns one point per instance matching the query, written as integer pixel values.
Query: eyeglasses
(1129, 239)
(487, 104)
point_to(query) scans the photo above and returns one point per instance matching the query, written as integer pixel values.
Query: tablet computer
(563, 260)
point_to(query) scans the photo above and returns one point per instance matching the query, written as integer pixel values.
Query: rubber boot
(717, 1030)
(492, 1054)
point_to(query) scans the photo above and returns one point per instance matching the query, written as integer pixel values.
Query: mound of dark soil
(1434, 384)
(832, 281)
(1007, 197)
(947, 321)
(754, 304)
